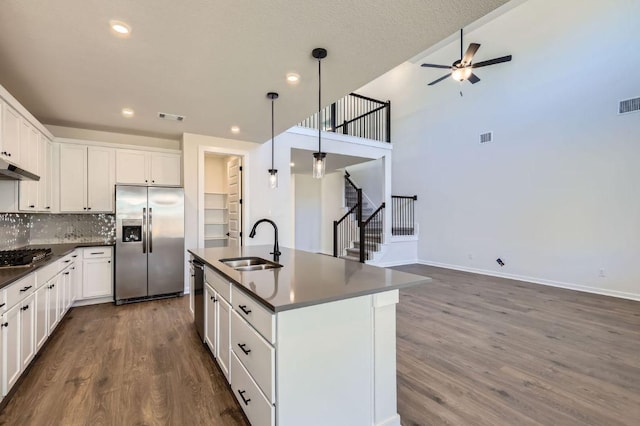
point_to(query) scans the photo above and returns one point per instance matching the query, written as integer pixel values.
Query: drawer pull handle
(6, 324)
(2, 304)
(245, 400)
(246, 351)
(25, 289)
(75, 255)
(24, 308)
(51, 286)
(244, 309)
(67, 261)
(97, 252)
(66, 273)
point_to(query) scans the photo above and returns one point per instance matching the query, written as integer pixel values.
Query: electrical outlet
(601, 273)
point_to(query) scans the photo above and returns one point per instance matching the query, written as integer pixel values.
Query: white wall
(556, 196)
(308, 208)
(370, 177)
(332, 208)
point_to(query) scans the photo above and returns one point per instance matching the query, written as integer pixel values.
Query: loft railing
(371, 231)
(403, 214)
(355, 115)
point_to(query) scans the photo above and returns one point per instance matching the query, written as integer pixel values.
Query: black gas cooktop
(22, 257)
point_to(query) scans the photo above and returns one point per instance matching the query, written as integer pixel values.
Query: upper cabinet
(10, 134)
(147, 168)
(87, 179)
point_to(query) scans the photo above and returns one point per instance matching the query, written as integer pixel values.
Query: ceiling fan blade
(447, 67)
(473, 78)
(440, 79)
(471, 50)
(492, 61)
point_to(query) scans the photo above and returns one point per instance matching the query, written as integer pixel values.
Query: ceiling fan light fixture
(461, 74)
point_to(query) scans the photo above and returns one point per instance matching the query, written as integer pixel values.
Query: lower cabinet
(53, 305)
(27, 328)
(211, 320)
(42, 309)
(258, 410)
(11, 347)
(97, 276)
(224, 316)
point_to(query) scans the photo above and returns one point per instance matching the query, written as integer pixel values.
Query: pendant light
(273, 173)
(319, 158)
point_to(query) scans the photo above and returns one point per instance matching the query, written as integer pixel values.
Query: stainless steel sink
(250, 263)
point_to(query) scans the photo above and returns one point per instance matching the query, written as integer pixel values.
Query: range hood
(9, 171)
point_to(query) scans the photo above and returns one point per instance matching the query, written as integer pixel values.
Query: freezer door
(131, 240)
(166, 240)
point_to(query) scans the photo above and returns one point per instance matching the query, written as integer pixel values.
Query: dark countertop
(9, 275)
(305, 278)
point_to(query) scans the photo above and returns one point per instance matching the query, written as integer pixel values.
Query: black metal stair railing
(371, 231)
(403, 214)
(345, 228)
(355, 115)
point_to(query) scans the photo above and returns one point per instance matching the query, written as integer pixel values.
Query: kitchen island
(311, 342)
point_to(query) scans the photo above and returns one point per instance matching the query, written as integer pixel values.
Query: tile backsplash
(18, 230)
(14, 230)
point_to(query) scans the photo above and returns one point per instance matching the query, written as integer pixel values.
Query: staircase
(373, 226)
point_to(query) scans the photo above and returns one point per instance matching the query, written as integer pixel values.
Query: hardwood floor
(472, 350)
(139, 364)
(478, 350)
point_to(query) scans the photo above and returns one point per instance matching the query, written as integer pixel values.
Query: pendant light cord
(272, 144)
(319, 106)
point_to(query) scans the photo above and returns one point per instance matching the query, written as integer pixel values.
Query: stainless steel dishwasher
(198, 296)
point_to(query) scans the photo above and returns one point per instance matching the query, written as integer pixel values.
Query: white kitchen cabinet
(97, 278)
(30, 148)
(41, 311)
(53, 305)
(210, 318)
(147, 168)
(11, 347)
(27, 330)
(86, 178)
(76, 276)
(44, 171)
(224, 336)
(10, 137)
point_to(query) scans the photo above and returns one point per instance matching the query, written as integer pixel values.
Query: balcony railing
(355, 115)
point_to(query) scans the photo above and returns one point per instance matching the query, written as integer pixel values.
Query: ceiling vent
(630, 105)
(173, 117)
(486, 137)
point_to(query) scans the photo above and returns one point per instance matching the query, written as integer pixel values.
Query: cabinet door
(44, 187)
(224, 336)
(97, 279)
(76, 281)
(53, 307)
(100, 179)
(28, 330)
(210, 314)
(165, 169)
(131, 167)
(2, 349)
(73, 181)
(41, 308)
(11, 122)
(12, 358)
(30, 155)
(62, 294)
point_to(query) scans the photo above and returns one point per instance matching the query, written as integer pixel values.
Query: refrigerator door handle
(144, 230)
(150, 230)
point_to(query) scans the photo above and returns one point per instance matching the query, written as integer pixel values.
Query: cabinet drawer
(218, 282)
(3, 304)
(255, 353)
(96, 252)
(260, 318)
(20, 289)
(43, 275)
(258, 410)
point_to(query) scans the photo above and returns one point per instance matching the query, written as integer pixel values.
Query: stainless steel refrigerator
(149, 242)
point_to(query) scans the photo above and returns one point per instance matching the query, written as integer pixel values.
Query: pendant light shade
(319, 158)
(273, 173)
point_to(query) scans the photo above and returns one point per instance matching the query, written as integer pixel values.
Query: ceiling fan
(462, 68)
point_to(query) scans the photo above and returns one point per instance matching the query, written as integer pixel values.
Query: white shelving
(216, 219)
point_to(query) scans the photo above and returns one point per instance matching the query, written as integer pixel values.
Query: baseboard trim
(95, 301)
(550, 283)
(391, 421)
(396, 263)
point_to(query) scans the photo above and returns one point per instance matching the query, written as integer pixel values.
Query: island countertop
(305, 278)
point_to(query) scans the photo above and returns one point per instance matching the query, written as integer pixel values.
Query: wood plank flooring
(139, 364)
(472, 350)
(478, 350)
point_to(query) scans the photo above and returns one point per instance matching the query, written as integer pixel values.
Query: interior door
(234, 175)
(166, 240)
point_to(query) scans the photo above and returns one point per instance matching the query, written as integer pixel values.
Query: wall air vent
(630, 105)
(173, 117)
(486, 137)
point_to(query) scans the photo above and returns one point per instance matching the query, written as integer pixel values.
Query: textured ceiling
(212, 61)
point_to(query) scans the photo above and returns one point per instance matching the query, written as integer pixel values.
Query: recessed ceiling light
(235, 129)
(119, 28)
(293, 78)
(292, 164)
(127, 112)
